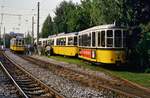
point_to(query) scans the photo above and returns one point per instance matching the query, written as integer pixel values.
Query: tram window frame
(103, 33)
(118, 39)
(93, 39)
(109, 38)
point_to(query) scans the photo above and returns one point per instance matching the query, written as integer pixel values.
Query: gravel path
(68, 88)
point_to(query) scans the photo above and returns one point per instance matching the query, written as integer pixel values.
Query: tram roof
(63, 34)
(108, 26)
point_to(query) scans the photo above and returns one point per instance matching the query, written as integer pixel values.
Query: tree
(64, 19)
(47, 28)
(28, 38)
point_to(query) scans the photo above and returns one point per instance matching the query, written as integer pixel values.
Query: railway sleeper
(31, 89)
(36, 93)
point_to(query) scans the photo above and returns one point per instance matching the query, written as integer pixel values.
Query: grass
(139, 78)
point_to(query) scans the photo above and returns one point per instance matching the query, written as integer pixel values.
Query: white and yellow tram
(17, 44)
(65, 44)
(104, 44)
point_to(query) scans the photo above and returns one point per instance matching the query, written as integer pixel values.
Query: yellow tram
(104, 44)
(17, 44)
(65, 44)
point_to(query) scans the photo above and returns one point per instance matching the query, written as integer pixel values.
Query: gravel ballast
(68, 88)
(7, 89)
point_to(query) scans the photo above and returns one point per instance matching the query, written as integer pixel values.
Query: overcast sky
(18, 13)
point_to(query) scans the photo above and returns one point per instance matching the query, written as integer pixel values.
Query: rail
(20, 90)
(53, 92)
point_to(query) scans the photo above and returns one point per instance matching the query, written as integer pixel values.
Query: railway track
(27, 85)
(123, 89)
(7, 88)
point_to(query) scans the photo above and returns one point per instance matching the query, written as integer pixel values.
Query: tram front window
(118, 39)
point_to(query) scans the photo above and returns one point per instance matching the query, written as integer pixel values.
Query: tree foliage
(70, 17)
(47, 27)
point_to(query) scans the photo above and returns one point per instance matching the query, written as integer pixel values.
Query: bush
(147, 70)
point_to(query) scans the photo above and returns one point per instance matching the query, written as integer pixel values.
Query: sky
(17, 14)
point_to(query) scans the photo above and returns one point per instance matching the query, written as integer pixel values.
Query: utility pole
(32, 41)
(4, 37)
(1, 21)
(1, 25)
(0, 33)
(38, 14)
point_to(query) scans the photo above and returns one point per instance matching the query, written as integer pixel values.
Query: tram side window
(57, 41)
(70, 41)
(84, 39)
(80, 40)
(62, 41)
(89, 40)
(75, 40)
(103, 38)
(109, 38)
(118, 40)
(99, 39)
(93, 39)
(50, 42)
